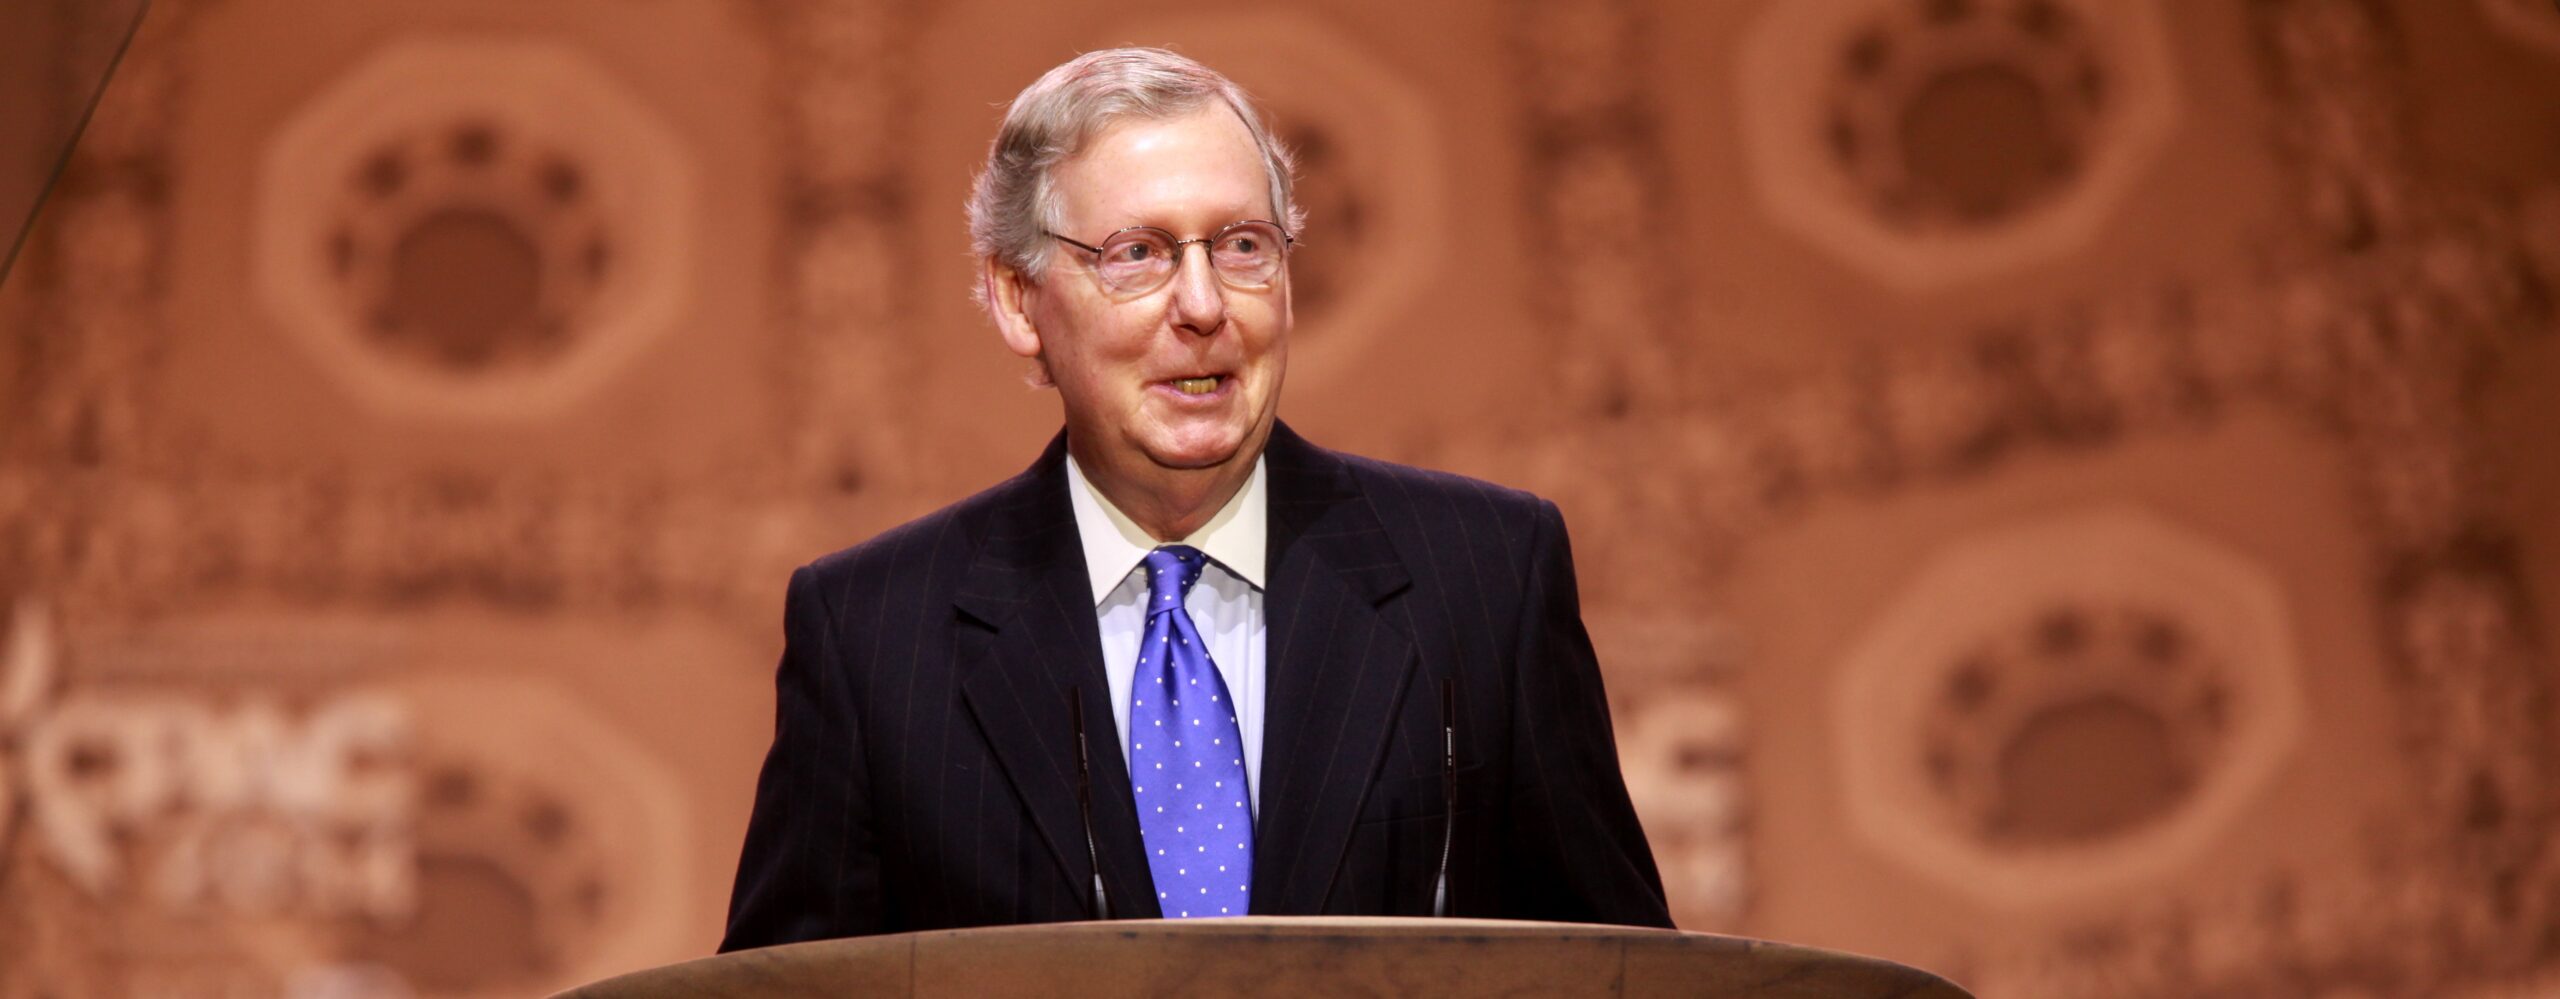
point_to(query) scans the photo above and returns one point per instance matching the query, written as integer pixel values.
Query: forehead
(1195, 171)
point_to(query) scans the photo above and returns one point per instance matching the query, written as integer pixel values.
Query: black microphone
(1084, 803)
(1448, 790)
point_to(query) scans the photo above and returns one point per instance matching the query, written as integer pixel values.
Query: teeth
(1196, 386)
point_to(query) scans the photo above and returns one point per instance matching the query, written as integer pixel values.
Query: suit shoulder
(1433, 493)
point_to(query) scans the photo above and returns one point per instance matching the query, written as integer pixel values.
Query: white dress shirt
(1226, 604)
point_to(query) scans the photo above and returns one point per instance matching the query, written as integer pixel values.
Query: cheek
(1269, 338)
(1097, 350)
(1071, 328)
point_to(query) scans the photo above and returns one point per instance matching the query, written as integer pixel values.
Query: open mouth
(1203, 385)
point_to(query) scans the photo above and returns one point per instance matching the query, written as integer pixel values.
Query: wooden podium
(1285, 956)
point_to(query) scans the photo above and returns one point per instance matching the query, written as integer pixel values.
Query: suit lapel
(1338, 668)
(1027, 637)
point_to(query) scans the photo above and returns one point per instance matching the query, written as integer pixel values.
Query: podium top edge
(903, 962)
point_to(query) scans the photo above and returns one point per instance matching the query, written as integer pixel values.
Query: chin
(1198, 448)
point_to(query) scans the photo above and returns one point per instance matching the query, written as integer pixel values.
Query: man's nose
(1199, 298)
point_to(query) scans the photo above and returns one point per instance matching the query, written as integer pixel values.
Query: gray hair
(1015, 197)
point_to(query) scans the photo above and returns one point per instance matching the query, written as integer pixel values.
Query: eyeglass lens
(1245, 254)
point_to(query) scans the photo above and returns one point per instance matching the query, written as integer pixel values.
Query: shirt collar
(1236, 538)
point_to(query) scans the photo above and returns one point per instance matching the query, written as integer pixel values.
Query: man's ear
(1008, 300)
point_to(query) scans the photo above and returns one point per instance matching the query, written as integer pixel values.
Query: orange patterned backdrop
(2063, 488)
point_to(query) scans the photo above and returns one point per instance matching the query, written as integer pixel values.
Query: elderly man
(1188, 664)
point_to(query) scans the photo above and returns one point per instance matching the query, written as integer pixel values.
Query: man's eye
(1244, 245)
(1136, 253)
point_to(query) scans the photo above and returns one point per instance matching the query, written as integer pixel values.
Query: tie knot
(1170, 572)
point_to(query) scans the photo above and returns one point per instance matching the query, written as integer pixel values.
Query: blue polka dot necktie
(1186, 761)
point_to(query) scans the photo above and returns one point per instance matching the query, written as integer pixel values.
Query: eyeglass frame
(1207, 243)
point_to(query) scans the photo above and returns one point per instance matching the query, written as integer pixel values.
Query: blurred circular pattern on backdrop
(473, 228)
(2065, 707)
(550, 846)
(470, 249)
(1948, 117)
(2086, 723)
(1929, 141)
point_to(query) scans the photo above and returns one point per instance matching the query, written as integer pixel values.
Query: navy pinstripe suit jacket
(923, 765)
